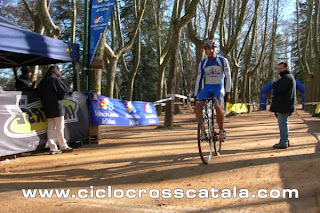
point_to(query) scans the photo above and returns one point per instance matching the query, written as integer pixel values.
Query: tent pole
(85, 45)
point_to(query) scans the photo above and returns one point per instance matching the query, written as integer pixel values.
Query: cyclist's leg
(199, 104)
(220, 115)
(198, 108)
(219, 112)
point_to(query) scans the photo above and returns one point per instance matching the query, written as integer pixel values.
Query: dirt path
(150, 159)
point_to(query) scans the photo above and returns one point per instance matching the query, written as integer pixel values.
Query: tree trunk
(160, 87)
(199, 58)
(247, 62)
(45, 18)
(234, 93)
(134, 71)
(244, 85)
(272, 42)
(111, 76)
(178, 81)
(96, 74)
(316, 46)
(306, 64)
(172, 74)
(177, 26)
(137, 52)
(260, 58)
(38, 28)
(163, 54)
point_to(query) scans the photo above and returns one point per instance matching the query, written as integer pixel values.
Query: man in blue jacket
(283, 102)
(52, 92)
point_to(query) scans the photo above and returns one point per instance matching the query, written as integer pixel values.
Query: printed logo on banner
(105, 103)
(28, 120)
(130, 107)
(98, 19)
(148, 108)
(132, 116)
(150, 116)
(105, 110)
(100, 1)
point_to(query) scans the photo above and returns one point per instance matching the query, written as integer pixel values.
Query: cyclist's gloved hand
(227, 97)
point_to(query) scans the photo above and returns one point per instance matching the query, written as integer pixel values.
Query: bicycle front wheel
(204, 140)
(216, 138)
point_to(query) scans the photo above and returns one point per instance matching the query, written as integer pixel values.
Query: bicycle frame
(208, 111)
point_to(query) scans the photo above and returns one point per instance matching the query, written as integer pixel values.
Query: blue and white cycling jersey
(214, 72)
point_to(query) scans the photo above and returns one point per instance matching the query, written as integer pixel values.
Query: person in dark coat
(52, 92)
(24, 82)
(283, 102)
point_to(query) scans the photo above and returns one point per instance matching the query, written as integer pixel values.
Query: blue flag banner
(116, 112)
(99, 16)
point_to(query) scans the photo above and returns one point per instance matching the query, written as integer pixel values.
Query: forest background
(152, 48)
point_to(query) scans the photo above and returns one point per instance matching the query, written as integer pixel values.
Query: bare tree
(42, 22)
(137, 51)
(45, 19)
(177, 26)
(163, 53)
(256, 66)
(113, 56)
(272, 41)
(305, 61)
(237, 53)
(227, 43)
(229, 38)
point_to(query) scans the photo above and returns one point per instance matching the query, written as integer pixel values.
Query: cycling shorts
(209, 90)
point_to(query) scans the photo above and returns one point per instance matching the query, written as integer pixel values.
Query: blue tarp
(20, 47)
(268, 87)
(263, 95)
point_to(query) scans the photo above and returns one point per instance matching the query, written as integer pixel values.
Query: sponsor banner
(109, 111)
(99, 15)
(24, 125)
(236, 108)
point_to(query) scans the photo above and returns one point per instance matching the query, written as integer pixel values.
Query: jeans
(55, 130)
(283, 127)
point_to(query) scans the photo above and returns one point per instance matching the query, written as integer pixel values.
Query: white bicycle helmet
(209, 44)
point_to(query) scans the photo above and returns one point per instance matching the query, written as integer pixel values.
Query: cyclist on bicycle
(214, 69)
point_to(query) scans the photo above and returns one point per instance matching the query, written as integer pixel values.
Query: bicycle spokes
(204, 140)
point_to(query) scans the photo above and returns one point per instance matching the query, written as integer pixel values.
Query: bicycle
(207, 136)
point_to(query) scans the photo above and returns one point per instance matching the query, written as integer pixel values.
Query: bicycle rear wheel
(204, 140)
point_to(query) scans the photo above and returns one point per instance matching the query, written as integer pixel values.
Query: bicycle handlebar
(207, 99)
